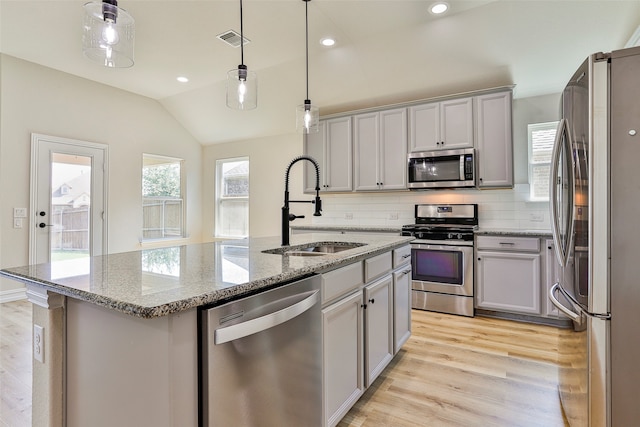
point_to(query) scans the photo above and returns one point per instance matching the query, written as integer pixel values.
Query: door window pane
(70, 206)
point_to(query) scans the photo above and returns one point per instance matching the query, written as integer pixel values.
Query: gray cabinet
(332, 147)
(380, 145)
(401, 296)
(508, 274)
(358, 328)
(494, 145)
(443, 125)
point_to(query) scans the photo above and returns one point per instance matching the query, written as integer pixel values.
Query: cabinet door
(494, 140)
(393, 149)
(314, 146)
(456, 124)
(342, 350)
(366, 131)
(424, 127)
(552, 275)
(508, 282)
(401, 307)
(378, 327)
(339, 147)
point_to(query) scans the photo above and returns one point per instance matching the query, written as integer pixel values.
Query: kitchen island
(120, 338)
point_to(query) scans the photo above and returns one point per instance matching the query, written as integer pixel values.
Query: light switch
(19, 212)
(17, 222)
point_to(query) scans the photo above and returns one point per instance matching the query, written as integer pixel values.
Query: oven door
(442, 268)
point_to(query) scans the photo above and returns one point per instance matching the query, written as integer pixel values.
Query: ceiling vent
(232, 38)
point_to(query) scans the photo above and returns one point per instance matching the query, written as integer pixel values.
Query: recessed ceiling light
(182, 79)
(327, 41)
(439, 8)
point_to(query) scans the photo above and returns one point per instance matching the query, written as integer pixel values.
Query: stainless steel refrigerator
(595, 215)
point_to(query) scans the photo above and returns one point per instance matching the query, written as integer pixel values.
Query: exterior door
(68, 199)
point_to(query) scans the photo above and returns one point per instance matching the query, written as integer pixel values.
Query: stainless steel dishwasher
(262, 359)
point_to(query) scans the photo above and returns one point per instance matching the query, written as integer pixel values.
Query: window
(541, 139)
(162, 198)
(232, 197)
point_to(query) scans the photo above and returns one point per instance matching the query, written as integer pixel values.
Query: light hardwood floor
(453, 371)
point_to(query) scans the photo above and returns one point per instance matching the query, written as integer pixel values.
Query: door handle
(262, 323)
(43, 225)
(573, 316)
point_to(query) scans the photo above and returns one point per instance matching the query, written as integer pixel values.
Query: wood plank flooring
(453, 371)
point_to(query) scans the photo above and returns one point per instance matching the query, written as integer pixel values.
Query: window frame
(161, 159)
(531, 128)
(219, 199)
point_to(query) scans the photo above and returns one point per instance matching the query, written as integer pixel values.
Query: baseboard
(13, 295)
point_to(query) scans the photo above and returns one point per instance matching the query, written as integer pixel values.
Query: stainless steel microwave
(441, 169)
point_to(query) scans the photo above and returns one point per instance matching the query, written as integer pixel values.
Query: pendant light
(242, 85)
(307, 115)
(108, 34)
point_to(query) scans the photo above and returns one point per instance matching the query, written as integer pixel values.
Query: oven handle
(431, 245)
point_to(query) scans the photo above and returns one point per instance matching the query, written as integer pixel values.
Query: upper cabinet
(494, 147)
(441, 125)
(380, 145)
(332, 149)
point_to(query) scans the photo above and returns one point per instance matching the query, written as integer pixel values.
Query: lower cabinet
(514, 275)
(343, 363)
(378, 305)
(366, 317)
(508, 281)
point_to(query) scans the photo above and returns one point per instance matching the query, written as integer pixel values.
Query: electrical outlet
(348, 215)
(17, 222)
(393, 215)
(536, 217)
(19, 212)
(38, 343)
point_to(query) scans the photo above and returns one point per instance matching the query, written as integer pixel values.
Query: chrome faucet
(286, 216)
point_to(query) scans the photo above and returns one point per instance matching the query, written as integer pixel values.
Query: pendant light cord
(306, 20)
(241, 37)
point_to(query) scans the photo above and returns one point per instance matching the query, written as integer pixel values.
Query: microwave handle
(462, 168)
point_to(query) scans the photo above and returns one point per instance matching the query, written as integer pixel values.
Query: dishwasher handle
(262, 323)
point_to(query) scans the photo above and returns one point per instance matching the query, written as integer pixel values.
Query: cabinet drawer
(508, 243)
(401, 256)
(377, 266)
(341, 281)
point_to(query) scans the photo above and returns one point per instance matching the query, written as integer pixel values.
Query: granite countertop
(362, 228)
(513, 232)
(157, 282)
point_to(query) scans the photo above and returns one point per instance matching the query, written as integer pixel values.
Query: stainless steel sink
(314, 249)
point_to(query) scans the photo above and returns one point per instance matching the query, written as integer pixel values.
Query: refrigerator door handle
(562, 250)
(576, 317)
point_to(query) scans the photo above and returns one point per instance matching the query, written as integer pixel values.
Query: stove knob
(459, 236)
(450, 236)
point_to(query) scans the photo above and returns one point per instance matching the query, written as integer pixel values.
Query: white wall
(268, 161)
(35, 99)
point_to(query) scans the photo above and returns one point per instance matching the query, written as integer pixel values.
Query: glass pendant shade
(108, 34)
(242, 89)
(307, 118)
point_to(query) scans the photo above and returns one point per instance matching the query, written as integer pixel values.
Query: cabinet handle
(507, 243)
(372, 300)
(406, 256)
(363, 306)
(43, 225)
(479, 259)
(406, 272)
(549, 247)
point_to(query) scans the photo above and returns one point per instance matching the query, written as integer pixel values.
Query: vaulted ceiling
(387, 51)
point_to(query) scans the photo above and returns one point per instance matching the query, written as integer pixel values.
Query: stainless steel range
(442, 257)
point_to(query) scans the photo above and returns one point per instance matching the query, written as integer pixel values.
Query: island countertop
(158, 282)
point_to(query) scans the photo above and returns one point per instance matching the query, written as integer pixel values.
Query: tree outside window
(162, 201)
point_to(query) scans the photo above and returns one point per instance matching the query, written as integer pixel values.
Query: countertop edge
(332, 261)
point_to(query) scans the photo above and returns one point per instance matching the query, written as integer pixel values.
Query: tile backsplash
(497, 209)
